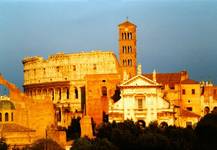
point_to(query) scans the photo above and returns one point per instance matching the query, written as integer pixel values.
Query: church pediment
(139, 80)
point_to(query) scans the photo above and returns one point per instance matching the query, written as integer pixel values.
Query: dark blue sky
(172, 34)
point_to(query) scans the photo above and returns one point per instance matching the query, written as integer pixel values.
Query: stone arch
(206, 110)
(163, 124)
(11, 87)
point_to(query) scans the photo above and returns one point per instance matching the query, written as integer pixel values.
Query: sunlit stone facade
(141, 99)
(23, 119)
(62, 78)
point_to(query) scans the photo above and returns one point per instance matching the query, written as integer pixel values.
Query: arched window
(6, 117)
(128, 62)
(12, 116)
(0, 117)
(130, 49)
(128, 35)
(131, 36)
(123, 49)
(104, 91)
(122, 36)
(125, 35)
(76, 93)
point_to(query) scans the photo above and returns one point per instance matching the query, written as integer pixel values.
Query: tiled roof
(165, 78)
(12, 127)
(189, 81)
(187, 113)
(127, 23)
(6, 105)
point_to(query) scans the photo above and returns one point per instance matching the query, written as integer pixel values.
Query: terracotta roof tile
(11, 127)
(187, 113)
(166, 78)
(189, 81)
(127, 23)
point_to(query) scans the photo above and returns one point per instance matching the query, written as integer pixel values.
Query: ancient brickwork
(99, 92)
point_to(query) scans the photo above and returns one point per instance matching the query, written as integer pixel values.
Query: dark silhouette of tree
(3, 145)
(46, 144)
(206, 133)
(93, 144)
(117, 94)
(74, 130)
(82, 144)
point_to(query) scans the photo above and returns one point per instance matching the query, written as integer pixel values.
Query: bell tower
(127, 48)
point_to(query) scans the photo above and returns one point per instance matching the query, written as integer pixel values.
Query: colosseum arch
(7, 87)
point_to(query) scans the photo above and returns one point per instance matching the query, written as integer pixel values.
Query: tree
(93, 144)
(74, 130)
(206, 132)
(46, 144)
(3, 145)
(82, 144)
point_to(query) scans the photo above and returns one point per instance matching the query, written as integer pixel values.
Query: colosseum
(62, 78)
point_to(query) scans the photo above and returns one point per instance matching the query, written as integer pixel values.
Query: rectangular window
(172, 86)
(44, 71)
(189, 108)
(94, 66)
(193, 91)
(74, 68)
(104, 91)
(183, 91)
(140, 104)
(58, 68)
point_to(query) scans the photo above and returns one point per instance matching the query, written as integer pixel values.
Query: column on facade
(72, 92)
(125, 107)
(155, 106)
(79, 93)
(63, 94)
(148, 114)
(51, 93)
(44, 93)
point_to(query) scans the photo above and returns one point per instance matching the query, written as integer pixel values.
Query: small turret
(154, 76)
